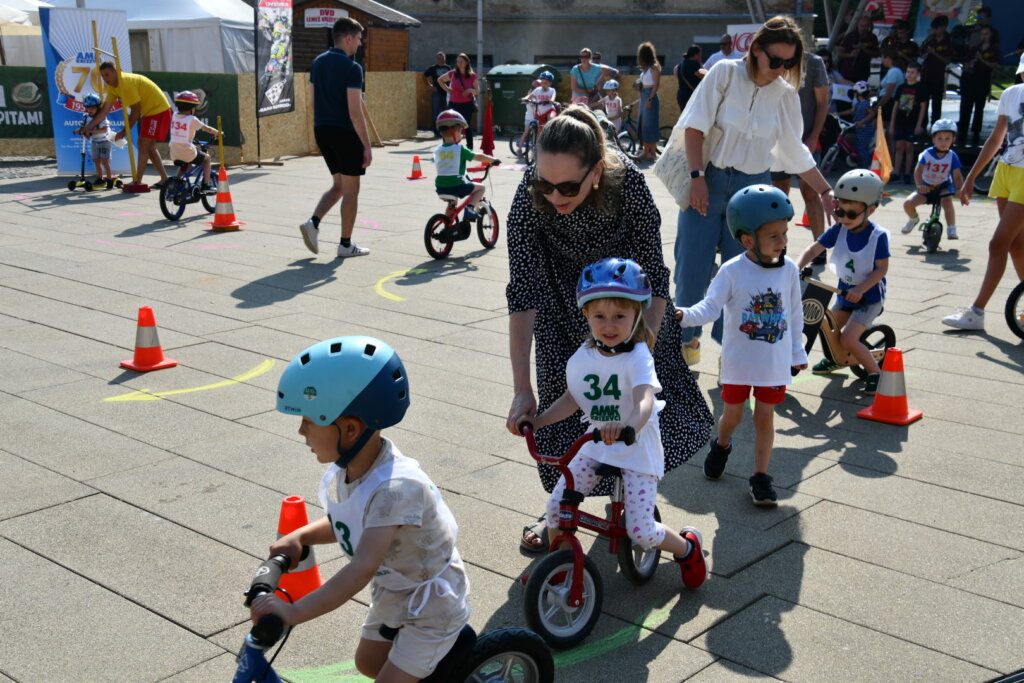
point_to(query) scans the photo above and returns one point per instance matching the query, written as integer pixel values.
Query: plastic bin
(509, 83)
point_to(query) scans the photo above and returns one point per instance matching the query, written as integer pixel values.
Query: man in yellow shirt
(145, 101)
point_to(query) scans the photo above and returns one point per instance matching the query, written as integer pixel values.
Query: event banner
(72, 73)
(23, 110)
(218, 96)
(274, 88)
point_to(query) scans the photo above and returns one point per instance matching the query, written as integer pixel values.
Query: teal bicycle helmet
(91, 100)
(752, 207)
(352, 376)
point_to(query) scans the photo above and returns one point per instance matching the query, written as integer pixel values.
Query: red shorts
(738, 393)
(156, 127)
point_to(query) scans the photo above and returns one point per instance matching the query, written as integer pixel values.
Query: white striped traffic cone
(149, 355)
(224, 216)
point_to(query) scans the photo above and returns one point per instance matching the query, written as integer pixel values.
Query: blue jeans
(697, 238)
(438, 103)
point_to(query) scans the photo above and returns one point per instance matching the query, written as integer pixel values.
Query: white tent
(20, 40)
(198, 36)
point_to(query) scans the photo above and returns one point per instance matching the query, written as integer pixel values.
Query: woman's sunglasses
(564, 189)
(775, 62)
(843, 213)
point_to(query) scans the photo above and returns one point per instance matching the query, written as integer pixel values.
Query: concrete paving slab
(943, 619)
(116, 640)
(1001, 580)
(221, 668)
(791, 642)
(19, 373)
(31, 487)
(194, 600)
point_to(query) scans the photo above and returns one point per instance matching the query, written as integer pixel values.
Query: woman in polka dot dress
(582, 202)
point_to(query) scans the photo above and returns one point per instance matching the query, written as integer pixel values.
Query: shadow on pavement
(948, 259)
(300, 276)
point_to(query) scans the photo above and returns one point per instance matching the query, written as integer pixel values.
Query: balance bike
(931, 229)
(564, 592)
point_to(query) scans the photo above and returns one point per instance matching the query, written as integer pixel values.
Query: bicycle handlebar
(627, 436)
(806, 275)
(270, 627)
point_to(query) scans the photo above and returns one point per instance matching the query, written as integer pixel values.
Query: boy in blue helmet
(98, 140)
(759, 291)
(382, 509)
(540, 103)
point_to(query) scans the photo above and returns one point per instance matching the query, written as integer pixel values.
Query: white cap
(1020, 67)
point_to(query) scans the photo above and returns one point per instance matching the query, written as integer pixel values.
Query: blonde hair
(642, 334)
(778, 29)
(576, 131)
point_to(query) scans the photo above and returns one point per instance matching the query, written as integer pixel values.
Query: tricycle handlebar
(627, 436)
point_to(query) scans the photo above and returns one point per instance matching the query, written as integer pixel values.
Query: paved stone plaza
(136, 507)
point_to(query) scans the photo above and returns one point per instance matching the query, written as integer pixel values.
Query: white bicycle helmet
(941, 125)
(611, 85)
(859, 185)
(861, 87)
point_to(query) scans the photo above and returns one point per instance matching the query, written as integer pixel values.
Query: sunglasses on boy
(775, 62)
(845, 213)
(564, 189)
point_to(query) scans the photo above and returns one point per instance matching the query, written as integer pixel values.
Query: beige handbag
(672, 168)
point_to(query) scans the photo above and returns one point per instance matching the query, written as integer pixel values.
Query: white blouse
(759, 128)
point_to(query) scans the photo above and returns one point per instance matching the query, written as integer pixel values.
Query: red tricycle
(564, 592)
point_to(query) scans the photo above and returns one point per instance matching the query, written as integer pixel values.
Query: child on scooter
(937, 172)
(450, 159)
(611, 378)
(860, 255)
(98, 141)
(381, 508)
(184, 126)
(759, 292)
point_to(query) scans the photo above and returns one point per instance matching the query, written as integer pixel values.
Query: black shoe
(762, 492)
(714, 463)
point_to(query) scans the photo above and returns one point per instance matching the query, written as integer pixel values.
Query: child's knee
(647, 534)
(764, 417)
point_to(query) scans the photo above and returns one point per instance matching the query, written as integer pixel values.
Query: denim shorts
(865, 315)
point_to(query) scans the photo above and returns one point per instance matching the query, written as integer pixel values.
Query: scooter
(74, 184)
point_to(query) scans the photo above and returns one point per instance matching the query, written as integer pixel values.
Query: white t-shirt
(612, 107)
(764, 321)
(544, 97)
(719, 56)
(602, 387)
(1011, 105)
(183, 130)
(938, 170)
(759, 128)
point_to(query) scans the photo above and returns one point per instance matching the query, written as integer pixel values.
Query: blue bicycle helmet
(753, 206)
(613, 278)
(91, 100)
(353, 376)
(547, 76)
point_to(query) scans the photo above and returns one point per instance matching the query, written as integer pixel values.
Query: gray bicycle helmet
(941, 125)
(859, 185)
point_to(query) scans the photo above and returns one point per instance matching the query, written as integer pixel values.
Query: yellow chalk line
(147, 395)
(379, 287)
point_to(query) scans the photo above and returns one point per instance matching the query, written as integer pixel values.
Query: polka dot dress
(547, 252)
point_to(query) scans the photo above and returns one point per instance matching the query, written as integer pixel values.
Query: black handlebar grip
(267, 630)
(267, 577)
(626, 436)
(806, 272)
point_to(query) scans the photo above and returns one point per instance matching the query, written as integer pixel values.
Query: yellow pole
(220, 142)
(96, 55)
(124, 111)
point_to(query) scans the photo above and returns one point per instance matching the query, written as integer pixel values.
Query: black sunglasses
(843, 213)
(564, 189)
(775, 62)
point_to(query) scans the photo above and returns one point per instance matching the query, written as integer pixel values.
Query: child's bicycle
(841, 145)
(628, 140)
(528, 150)
(1015, 310)
(820, 321)
(508, 654)
(931, 229)
(185, 188)
(564, 592)
(445, 229)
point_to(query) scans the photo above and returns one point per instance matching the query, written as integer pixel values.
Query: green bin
(509, 83)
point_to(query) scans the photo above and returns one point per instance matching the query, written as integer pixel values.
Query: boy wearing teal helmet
(382, 509)
(762, 339)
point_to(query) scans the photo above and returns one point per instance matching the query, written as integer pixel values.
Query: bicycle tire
(435, 247)
(829, 160)
(626, 143)
(637, 564)
(487, 226)
(512, 654)
(983, 183)
(1015, 310)
(210, 200)
(874, 342)
(932, 235)
(170, 204)
(530, 153)
(546, 593)
(514, 146)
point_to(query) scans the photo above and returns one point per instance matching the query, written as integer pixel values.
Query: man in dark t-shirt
(341, 134)
(857, 50)
(937, 52)
(438, 96)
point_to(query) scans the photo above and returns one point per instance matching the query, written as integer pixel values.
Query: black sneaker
(714, 463)
(762, 492)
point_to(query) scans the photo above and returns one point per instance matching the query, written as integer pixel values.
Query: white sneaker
(951, 232)
(352, 250)
(910, 225)
(965, 319)
(310, 235)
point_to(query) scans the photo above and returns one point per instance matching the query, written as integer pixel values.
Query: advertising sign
(323, 17)
(742, 36)
(23, 109)
(274, 88)
(72, 73)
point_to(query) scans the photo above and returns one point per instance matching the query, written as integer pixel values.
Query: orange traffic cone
(804, 222)
(416, 172)
(305, 578)
(890, 404)
(224, 215)
(149, 355)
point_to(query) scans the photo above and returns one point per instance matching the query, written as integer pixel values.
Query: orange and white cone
(417, 173)
(804, 222)
(224, 215)
(305, 578)
(890, 404)
(149, 355)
